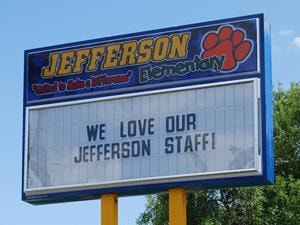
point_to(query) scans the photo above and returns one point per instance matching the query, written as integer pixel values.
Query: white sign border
(257, 170)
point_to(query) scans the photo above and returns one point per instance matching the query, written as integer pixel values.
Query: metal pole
(177, 206)
(109, 209)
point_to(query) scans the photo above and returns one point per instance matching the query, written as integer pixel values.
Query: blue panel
(158, 59)
(267, 107)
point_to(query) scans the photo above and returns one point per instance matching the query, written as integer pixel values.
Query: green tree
(201, 206)
(156, 212)
(287, 130)
(268, 205)
(274, 205)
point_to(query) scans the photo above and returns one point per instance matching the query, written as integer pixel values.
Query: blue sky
(31, 24)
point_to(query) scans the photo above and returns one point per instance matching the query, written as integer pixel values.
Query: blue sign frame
(163, 59)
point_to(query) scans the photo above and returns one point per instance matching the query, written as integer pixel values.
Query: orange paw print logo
(229, 43)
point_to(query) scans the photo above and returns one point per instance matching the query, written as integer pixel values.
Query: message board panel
(203, 131)
(188, 106)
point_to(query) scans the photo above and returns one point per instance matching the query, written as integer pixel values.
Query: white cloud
(296, 41)
(286, 32)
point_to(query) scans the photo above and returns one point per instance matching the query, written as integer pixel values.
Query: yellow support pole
(109, 209)
(177, 206)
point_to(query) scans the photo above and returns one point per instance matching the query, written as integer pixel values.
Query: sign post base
(177, 206)
(109, 209)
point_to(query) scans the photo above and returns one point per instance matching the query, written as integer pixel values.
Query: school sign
(187, 106)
